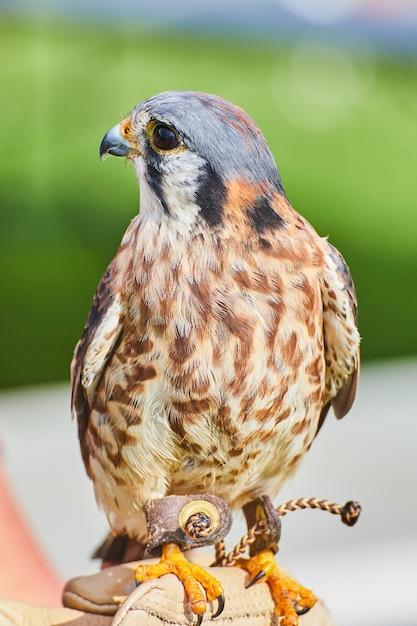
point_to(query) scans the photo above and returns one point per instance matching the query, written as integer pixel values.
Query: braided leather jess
(349, 514)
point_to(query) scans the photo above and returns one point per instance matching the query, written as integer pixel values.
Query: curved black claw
(254, 580)
(199, 619)
(138, 582)
(220, 607)
(303, 610)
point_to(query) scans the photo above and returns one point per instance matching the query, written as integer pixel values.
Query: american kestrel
(221, 332)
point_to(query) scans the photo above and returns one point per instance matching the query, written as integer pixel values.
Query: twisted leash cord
(349, 514)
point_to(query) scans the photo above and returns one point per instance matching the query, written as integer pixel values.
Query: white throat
(179, 185)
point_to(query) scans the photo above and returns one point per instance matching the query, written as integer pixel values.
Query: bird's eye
(164, 138)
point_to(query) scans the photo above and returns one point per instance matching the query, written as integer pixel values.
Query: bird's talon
(221, 600)
(290, 598)
(303, 610)
(256, 579)
(191, 575)
(138, 582)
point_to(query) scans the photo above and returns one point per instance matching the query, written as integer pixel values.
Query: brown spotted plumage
(222, 330)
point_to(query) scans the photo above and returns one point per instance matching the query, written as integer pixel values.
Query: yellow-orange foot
(291, 599)
(173, 561)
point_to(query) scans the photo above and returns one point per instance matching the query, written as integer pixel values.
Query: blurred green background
(341, 124)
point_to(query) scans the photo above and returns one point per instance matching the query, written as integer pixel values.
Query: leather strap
(189, 521)
(262, 510)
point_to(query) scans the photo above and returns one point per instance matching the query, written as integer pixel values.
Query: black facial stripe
(263, 217)
(155, 181)
(211, 196)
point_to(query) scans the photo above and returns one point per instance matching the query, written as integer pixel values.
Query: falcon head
(189, 150)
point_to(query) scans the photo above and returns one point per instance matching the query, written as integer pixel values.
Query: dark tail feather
(323, 414)
(116, 550)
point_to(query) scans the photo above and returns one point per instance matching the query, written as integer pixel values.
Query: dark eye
(164, 138)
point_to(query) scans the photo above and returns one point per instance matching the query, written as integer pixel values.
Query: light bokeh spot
(322, 11)
(319, 85)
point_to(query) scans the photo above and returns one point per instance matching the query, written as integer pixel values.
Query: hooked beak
(114, 143)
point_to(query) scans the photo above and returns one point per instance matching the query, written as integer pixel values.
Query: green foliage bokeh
(64, 212)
